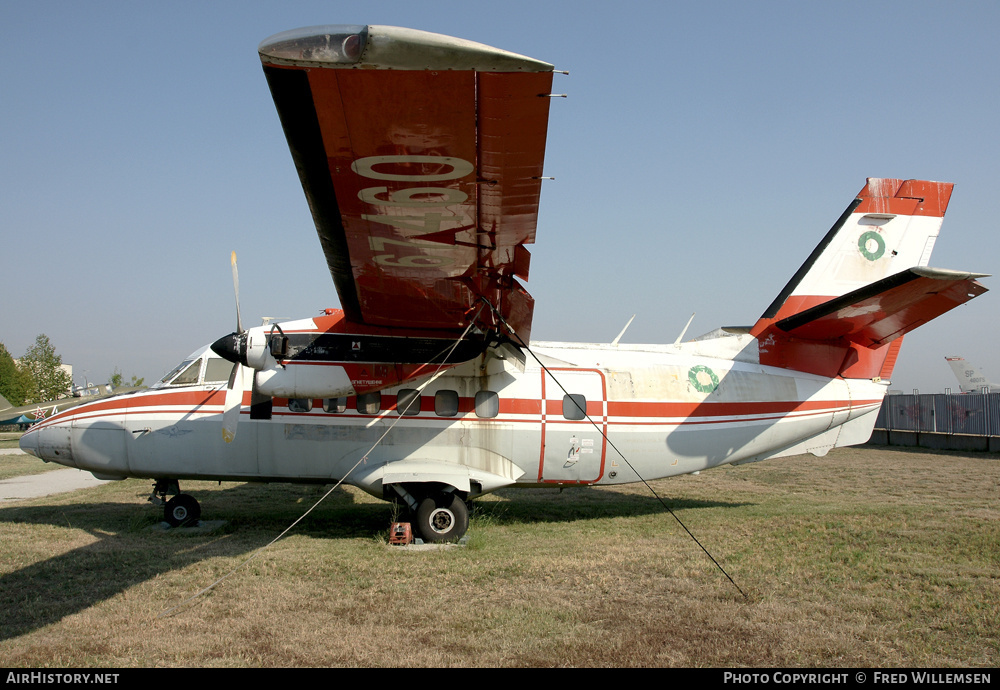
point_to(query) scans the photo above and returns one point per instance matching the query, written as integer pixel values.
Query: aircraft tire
(182, 509)
(442, 517)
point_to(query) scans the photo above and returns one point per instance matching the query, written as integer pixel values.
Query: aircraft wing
(421, 158)
(887, 309)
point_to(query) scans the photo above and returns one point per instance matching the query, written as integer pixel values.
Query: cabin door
(574, 424)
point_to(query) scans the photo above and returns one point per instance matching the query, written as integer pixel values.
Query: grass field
(9, 439)
(867, 557)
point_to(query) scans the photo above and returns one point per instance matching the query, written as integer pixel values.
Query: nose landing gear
(181, 510)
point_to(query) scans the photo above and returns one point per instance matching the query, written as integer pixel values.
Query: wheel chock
(400, 534)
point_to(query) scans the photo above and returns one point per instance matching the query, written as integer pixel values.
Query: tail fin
(845, 310)
(970, 377)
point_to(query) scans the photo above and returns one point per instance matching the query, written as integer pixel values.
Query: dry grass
(868, 557)
(9, 439)
(21, 465)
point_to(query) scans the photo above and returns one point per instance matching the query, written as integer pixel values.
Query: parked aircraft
(971, 378)
(421, 159)
(35, 412)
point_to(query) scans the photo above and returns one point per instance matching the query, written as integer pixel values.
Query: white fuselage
(653, 411)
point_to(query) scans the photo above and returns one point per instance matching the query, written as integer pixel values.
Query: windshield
(173, 372)
(190, 372)
(189, 376)
(187, 373)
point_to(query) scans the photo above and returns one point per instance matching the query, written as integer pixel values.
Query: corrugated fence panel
(993, 414)
(968, 414)
(906, 412)
(971, 413)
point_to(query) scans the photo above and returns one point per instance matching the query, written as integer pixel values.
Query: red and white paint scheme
(421, 159)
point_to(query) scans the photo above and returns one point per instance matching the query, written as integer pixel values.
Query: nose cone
(232, 347)
(29, 443)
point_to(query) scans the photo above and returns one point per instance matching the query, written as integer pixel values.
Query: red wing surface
(421, 158)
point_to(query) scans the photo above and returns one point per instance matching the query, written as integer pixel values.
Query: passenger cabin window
(574, 406)
(487, 404)
(300, 404)
(189, 376)
(217, 370)
(446, 403)
(408, 402)
(369, 403)
(335, 404)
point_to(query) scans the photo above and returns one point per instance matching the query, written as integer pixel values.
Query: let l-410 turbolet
(422, 388)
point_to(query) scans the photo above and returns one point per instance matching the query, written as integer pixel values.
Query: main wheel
(442, 517)
(182, 509)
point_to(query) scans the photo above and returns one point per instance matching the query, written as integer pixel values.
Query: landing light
(333, 44)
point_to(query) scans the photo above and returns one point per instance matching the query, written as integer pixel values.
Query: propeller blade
(236, 288)
(234, 400)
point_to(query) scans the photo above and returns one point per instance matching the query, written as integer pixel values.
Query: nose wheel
(181, 510)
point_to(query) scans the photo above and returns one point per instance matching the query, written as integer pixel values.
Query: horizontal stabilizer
(878, 313)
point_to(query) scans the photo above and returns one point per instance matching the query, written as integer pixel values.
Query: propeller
(236, 289)
(234, 389)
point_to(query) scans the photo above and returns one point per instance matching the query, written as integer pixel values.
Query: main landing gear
(437, 515)
(442, 517)
(181, 510)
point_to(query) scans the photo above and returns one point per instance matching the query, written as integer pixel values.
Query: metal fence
(971, 413)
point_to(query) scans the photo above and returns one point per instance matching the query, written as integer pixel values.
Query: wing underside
(421, 159)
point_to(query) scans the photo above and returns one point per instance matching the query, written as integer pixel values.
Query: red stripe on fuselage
(525, 410)
(186, 400)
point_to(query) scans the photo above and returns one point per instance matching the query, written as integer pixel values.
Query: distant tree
(118, 379)
(48, 379)
(15, 382)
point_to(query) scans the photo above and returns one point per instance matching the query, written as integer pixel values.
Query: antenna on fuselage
(686, 326)
(614, 343)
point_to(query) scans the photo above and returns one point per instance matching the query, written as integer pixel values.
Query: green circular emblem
(703, 379)
(872, 245)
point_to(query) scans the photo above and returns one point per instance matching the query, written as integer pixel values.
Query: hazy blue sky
(703, 151)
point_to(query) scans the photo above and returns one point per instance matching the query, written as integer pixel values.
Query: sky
(704, 149)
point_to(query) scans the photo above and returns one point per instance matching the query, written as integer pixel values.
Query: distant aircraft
(970, 377)
(421, 159)
(35, 412)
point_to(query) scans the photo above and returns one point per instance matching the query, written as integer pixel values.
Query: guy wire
(447, 353)
(620, 454)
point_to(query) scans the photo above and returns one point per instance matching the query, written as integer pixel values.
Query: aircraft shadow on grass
(131, 549)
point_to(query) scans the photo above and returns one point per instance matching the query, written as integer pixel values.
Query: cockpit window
(173, 372)
(189, 376)
(217, 370)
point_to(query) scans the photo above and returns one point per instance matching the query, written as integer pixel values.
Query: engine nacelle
(328, 357)
(263, 347)
(304, 381)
